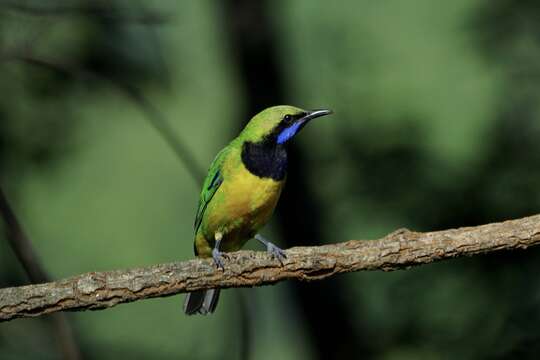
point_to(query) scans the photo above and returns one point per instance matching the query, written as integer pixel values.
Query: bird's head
(279, 124)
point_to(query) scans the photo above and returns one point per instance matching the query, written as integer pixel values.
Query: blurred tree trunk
(254, 47)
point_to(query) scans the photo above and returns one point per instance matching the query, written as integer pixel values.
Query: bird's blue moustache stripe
(287, 133)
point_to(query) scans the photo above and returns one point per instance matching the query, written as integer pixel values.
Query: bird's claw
(276, 252)
(218, 257)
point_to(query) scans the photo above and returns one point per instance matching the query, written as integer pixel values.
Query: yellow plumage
(243, 204)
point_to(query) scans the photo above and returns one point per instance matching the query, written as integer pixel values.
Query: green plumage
(211, 184)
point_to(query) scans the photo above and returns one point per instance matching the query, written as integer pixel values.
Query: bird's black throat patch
(265, 159)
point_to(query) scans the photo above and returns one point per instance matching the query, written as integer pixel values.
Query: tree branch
(20, 244)
(401, 249)
(91, 9)
(151, 113)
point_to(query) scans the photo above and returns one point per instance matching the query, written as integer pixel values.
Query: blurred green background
(436, 125)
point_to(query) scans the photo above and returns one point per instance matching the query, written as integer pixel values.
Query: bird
(241, 191)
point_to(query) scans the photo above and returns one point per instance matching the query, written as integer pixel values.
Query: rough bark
(398, 250)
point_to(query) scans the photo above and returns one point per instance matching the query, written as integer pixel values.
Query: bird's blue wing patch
(214, 181)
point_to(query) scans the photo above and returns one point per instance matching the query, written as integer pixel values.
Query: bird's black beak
(310, 115)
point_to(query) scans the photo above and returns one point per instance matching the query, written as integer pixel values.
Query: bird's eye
(287, 118)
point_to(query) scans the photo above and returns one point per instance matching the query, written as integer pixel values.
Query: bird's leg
(218, 255)
(271, 248)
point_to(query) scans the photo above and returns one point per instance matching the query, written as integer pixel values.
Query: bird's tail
(202, 302)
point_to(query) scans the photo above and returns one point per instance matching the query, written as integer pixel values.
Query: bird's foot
(272, 249)
(276, 252)
(218, 257)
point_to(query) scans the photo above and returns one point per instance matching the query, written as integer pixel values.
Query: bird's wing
(211, 184)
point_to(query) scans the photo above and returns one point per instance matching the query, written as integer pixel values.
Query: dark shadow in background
(254, 48)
